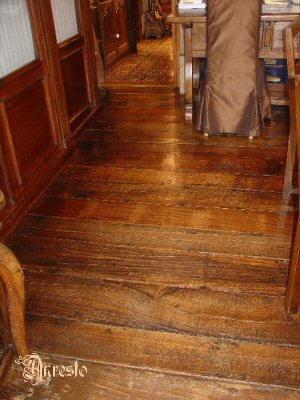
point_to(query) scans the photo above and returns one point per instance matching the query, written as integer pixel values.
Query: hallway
(158, 258)
(151, 66)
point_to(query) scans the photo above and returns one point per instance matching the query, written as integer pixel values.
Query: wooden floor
(159, 258)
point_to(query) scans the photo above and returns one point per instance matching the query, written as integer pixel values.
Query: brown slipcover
(233, 97)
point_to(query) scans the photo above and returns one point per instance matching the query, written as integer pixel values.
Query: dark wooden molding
(90, 58)
(46, 37)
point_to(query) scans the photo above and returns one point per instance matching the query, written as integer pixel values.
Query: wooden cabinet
(114, 27)
(121, 27)
(109, 31)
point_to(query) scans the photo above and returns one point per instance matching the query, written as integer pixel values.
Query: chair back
(231, 100)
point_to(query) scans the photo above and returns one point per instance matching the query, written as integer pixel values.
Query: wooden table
(272, 43)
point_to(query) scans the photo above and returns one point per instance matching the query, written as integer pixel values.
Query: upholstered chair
(233, 97)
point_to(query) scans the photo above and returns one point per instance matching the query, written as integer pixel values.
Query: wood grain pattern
(196, 355)
(110, 382)
(164, 308)
(140, 143)
(140, 265)
(262, 222)
(273, 247)
(160, 260)
(164, 177)
(180, 195)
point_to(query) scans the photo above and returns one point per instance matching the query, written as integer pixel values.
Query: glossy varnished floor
(159, 259)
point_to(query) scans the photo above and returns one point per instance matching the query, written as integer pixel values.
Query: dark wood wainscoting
(29, 137)
(43, 105)
(74, 79)
(26, 141)
(79, 83)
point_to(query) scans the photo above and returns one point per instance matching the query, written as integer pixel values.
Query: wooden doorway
(138, 14)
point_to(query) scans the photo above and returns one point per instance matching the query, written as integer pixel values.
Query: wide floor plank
(204, 218)
(201, 355)
(164, 308)
(111, 382)
(159, 259)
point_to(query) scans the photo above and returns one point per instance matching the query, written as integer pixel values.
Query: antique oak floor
(159, 259)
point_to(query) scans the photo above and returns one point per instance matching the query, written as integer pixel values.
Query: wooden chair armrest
(12, 289)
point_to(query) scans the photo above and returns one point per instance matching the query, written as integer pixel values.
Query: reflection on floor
(158, 259)
(152, 65)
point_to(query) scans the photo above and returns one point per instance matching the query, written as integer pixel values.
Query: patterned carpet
(152, 65)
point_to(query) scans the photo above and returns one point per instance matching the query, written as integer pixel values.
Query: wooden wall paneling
(28, 137)
(35, 125)
(28, 132)
(73, 73)
(78, 69)
(33, 119)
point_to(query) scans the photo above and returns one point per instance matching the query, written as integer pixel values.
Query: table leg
(290, 161)
(292, 298)
(188, 72)
(196, 73)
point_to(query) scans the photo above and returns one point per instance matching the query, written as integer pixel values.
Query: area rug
(152, 65)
